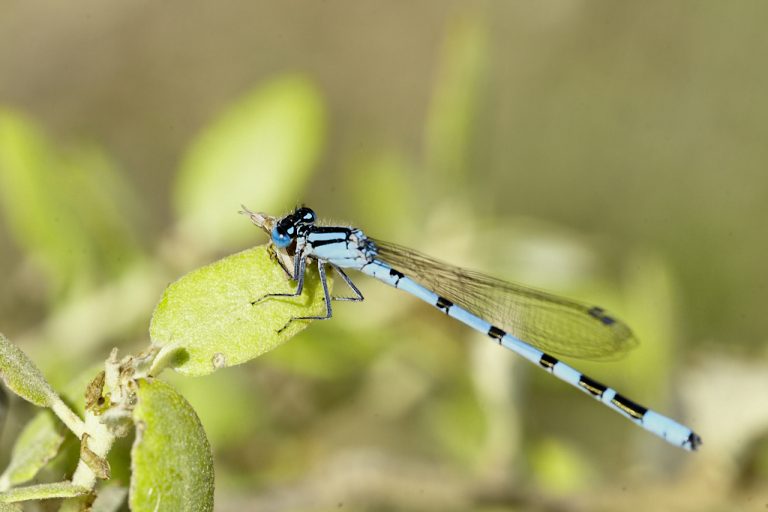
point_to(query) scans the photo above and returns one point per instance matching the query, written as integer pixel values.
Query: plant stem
(68, 417)
(99, 441)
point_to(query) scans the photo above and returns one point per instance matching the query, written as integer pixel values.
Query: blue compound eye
(280, 239)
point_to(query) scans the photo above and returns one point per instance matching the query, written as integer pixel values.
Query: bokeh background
(612, 152)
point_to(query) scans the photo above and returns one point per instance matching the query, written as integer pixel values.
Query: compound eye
(306, 215)
(280, 238)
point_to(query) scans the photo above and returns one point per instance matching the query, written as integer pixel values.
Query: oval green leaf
(37, 444)
(22, 376)
(261, 151)
(207, 320)
(172, 465)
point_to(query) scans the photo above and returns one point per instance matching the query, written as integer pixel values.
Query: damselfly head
(287, 228)
(284, 230)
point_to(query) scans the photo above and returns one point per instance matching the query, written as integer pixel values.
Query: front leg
(300, 265)
(326, 298)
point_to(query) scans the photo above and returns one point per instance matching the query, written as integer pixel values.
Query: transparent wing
(551, 323)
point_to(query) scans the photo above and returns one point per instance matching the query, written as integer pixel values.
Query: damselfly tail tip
(693, 442)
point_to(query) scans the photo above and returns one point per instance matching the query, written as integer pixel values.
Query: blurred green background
(612, 152)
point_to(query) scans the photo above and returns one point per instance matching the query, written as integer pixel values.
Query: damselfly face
(286, 229)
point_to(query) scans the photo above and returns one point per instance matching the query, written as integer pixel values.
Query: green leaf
(172, 465)
(22, 376)
(64, 208)
(260, 151)
(9, 507)
(43, 492)
(28, 191)
(206, 319)
(456, 100)
(104, 205)
(41, 438)
(37, 444)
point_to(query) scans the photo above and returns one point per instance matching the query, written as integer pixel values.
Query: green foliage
(67, 208)
(554, 154)
(22, 376)
(171, 458)
(393, 178)
(41, 438)
(457, 421)
(261, 151)
(560, 467)
(37, 444)
(218, 401)
(206, 320)
(456, 101)
(43, 492)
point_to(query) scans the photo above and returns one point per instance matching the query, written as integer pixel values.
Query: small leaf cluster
(55, 199)
(205, 321)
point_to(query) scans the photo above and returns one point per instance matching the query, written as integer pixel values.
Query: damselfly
(525, 320)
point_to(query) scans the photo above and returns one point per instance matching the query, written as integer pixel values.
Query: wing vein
(553, 324)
